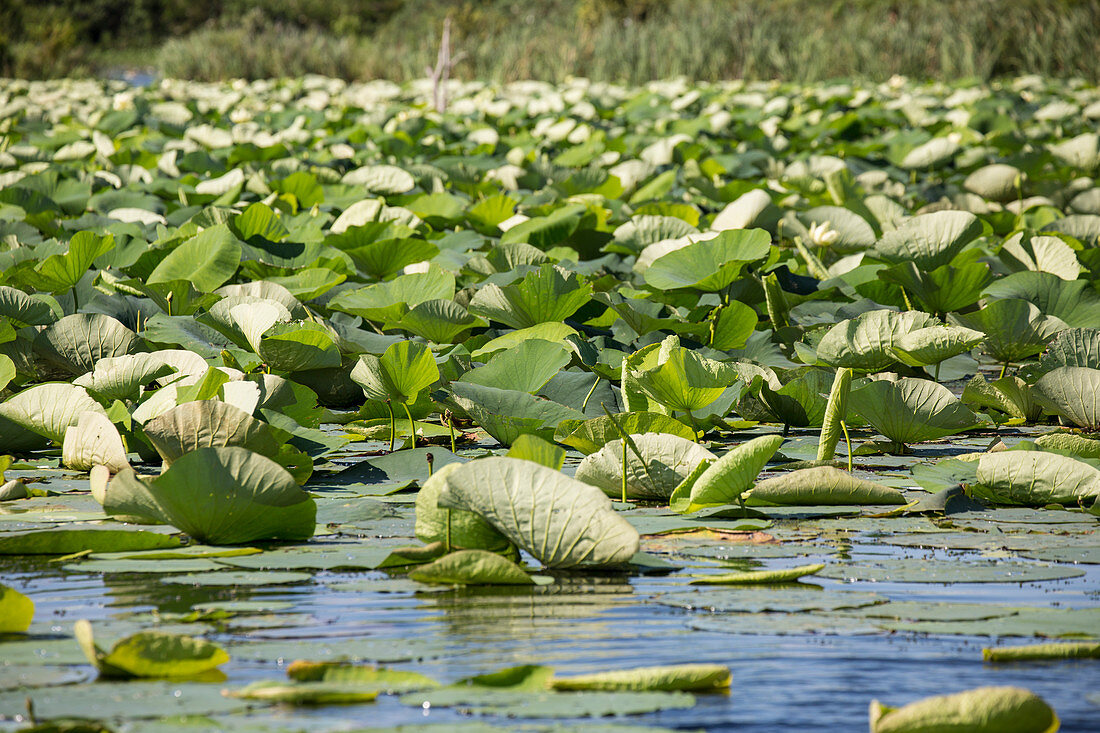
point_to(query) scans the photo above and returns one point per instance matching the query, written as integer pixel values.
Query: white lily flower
(822, 236)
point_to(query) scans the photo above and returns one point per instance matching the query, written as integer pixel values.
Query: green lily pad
(472, 567)
(782, 624)
(65, 541)
(760, 577)
(948, 571)
(982, 710)
(687, 677)
(150, 654)
(1037, 652)
(228, 578)
(16, 610)
(756, 600)
(121, 700)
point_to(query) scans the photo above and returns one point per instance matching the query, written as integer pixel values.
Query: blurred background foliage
(621, 40)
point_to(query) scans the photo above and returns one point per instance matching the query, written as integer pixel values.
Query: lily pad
(559, 520)
(982, 710)
(821, 485)
(948, 571)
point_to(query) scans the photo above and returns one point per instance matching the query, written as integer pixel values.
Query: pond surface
(809, 656)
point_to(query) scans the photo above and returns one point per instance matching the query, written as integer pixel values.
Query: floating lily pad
(1051, 622)
(121, 701)
(227, 578)
(948, 571)
(528, 704)
(756, 600)
(782, 624)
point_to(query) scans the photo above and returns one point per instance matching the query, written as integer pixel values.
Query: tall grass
(804, 40)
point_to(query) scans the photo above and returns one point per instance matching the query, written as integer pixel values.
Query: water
(821, 676)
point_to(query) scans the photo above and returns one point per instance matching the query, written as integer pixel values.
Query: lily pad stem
(591, 392)
(624, 469)
(451, 427)
(848, 441)
(694, 426)
(1004, 368)
(412, 425)
(393, 424)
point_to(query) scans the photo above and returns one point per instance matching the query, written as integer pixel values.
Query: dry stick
(442, 71)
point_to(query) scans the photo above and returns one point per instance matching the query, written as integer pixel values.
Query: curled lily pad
(549, 294)
(1010, 395)
(929, 240)
(472, 567)
(452, 527)
(75, 343)
(208, 424)
(687, 677)
(1036, 652)
(981, 710)
(439, 321)
(526, 368)
(560, 521)
(866, 342)
(49, 409)
(506, 413)
(709, 265)
(399, 375)
(1072, 393)
(150, 654)
(1015, 329)
(310, 693)
(122, 377)
(685, 380)
(69, 541)
(591, 435)
(665, 461)
(912, 410)
(927, 346)
(725, 480)
(1077, 445)
(390, 680)
(760, 577)
(1036, 478)
(93, 441)
(220, 496)
(821, 485)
